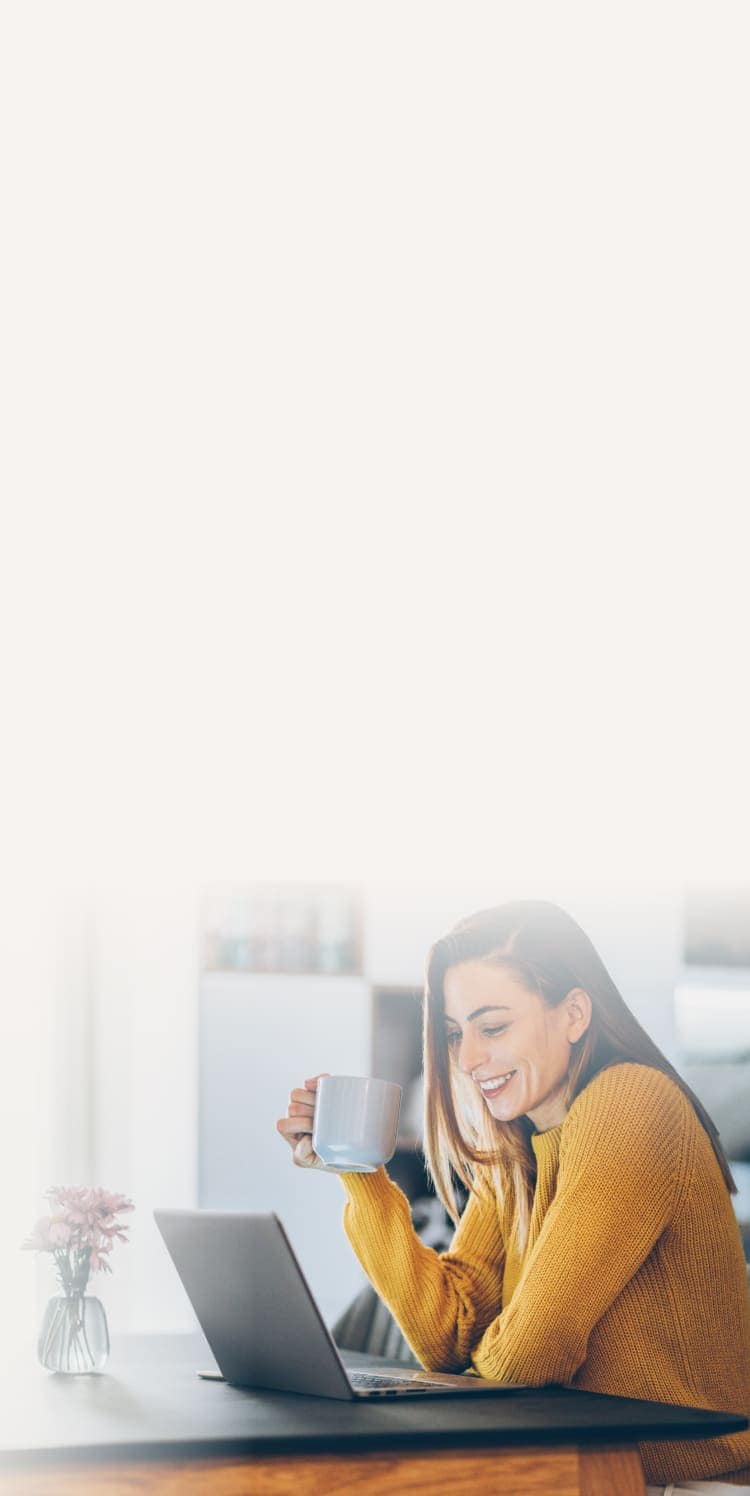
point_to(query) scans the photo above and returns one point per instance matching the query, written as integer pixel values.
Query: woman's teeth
(491, 1087)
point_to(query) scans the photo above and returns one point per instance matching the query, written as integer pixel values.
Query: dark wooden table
(149, 1424)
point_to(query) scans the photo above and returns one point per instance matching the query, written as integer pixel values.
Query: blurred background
(374, 465)
(176, 1024)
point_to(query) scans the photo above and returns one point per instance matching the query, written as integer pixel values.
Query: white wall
(27, 1006)
(145, 975)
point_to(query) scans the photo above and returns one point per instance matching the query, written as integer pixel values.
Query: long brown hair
(545, 947)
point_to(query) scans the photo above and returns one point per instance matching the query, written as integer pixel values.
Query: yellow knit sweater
(632, 1282)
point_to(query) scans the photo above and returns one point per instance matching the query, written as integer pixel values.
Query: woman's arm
(621, 1161)
(442, 1302)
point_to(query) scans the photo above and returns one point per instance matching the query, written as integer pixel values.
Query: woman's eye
(454, 1037)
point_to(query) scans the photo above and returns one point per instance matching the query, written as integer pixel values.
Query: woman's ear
(578, 1009)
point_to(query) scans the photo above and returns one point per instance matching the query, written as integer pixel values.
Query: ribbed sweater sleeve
(442, 1302)
(620, 1167)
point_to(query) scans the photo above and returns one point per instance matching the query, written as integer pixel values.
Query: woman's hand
(296, 1127)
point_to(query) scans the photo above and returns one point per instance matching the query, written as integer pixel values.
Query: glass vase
(74, 1337)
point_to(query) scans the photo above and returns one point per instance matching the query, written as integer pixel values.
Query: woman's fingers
(303, 1154)
(303, 1100)
(297, 1125)
(299, 1141)
(294, 1127)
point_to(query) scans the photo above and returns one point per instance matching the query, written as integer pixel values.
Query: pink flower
(40, 1239)
(81, 1232)
(59, 1231)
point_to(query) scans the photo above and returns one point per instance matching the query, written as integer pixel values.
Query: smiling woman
(598, 1247)
(541, 1013)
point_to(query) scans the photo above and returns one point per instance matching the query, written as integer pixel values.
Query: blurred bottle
(336, 952)
(296, 933)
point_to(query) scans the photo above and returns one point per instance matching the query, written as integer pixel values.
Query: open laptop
(261, 1321)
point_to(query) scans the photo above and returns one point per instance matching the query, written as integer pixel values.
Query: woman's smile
(492, 1087)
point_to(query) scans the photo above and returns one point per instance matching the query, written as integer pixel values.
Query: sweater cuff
(367, 1188)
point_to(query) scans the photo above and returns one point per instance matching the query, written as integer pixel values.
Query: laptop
(260, 1319)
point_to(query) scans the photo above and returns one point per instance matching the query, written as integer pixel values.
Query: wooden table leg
(612, 1468)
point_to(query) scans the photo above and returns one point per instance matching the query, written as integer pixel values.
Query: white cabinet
(260, 1035)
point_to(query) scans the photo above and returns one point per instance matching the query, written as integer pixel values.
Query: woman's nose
(471, 1053)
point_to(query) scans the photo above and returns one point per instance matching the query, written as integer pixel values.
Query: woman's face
(514, 1048)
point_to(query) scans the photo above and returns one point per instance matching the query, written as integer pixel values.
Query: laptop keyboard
(371, 1379)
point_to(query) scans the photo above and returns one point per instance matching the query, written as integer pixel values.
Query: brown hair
(551, 954)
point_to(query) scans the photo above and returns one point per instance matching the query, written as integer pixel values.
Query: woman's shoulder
(630, 1095)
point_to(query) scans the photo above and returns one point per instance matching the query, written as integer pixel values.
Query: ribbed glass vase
(74, 1337)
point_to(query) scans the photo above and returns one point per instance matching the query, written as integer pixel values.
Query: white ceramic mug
(355, 1125)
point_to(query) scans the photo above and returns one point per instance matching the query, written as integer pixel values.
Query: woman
(598, 1247)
